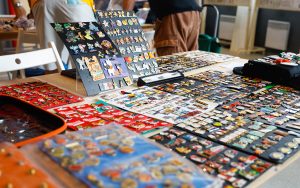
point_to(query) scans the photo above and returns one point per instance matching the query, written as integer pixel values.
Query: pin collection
(81, 117)
(177, 111)
(97, 59)
(278, 106)
(287, 58)
(231, 80)
(87, 116)
(213, 86)
(251, 121)
(133, 121)
(111, 156)
(157, 104)
(201, 90)
(138, 99)
(126, 33)
(40, 94)
(188, 61)
(232, 127)
(17, 169)
(236, 168)
(243, 134)
(248, 119)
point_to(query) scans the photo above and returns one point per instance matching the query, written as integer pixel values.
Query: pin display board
(98, 61)
(127, 34)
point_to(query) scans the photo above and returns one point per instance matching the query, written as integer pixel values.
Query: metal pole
(217, 17)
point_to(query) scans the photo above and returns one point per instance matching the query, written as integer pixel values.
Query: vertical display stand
(95, 56)
(125, 31)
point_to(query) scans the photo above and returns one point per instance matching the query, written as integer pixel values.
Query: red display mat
(87, 116)
(40, 94)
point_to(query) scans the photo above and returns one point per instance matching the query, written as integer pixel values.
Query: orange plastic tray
(22, 123)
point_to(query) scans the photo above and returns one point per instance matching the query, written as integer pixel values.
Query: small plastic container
(22, 123)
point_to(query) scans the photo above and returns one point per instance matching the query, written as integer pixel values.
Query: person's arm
(19, 9)
(128, 4)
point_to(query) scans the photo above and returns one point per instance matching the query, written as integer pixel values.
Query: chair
(27, 41)
(21, 61)
(27, 37)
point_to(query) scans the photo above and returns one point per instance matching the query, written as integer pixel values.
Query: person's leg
(165, 38)
(45, 31)
(39, 19)
(188, 25)
(193, 33)
(177, 33)
(43, 27)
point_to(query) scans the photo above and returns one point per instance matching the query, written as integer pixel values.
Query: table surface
(284, 175)
(9, 35)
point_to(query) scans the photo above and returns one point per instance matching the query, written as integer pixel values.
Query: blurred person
(61, 11)
(108, 4)
(101, 4)
(19, 8)
(115, 5)
(49, 11)
(177, 26)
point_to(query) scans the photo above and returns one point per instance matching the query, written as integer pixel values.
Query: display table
(284, 175)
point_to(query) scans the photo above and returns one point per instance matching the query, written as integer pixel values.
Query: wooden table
(8, 35)
(284, 175)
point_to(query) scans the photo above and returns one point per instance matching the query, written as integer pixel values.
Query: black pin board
(126, 33)
(161, 78)
(98, 61)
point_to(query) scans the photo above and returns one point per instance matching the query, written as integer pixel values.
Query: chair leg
(9, 75)
(14, 75)
(22, 73)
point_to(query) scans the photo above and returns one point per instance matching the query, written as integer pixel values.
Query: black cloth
(163, 8)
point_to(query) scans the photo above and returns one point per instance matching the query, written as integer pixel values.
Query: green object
(209, 44)
(215, 45)
(270, 86)
(204, 42)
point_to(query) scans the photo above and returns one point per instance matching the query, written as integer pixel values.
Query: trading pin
(100, 34)
(276, 156)
(92, 27)
(198, 159)
(292, 145)
(81, 63)
(119, 23)
(285, 150)
(58, 27)
(75, 49)
(82, 48)
(88, 35)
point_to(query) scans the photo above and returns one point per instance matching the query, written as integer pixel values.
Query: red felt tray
(40, 94)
